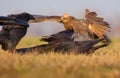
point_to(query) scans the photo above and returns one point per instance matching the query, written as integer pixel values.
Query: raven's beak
(32, 18)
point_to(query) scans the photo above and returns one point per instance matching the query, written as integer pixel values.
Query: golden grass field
(104, 63)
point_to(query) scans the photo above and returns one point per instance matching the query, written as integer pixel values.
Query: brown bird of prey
(90, 25)
(84, 29)
(14, 28)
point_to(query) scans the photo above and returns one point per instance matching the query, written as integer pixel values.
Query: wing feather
(97, 25)
(11, 21)
(42, 18)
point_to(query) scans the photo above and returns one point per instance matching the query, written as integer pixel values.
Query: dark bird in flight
(84, 47)
(14, 28)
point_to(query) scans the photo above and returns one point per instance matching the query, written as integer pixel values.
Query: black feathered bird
(11, 21)
(11, 34)
(84, 47)
(62, 36)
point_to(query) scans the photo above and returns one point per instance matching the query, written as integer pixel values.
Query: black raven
(11, 21)
(84, 47)
(10, 34)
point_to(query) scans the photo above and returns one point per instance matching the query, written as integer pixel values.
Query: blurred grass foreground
(104, 63)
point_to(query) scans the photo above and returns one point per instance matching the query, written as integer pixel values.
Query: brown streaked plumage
(66, 20)
(69, 22)
(90, 24)
(96, 24)
(86, 28)
(89, 14)
(81, 31)
(42, 18)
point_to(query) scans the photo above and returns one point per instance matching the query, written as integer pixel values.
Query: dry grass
(104, 63)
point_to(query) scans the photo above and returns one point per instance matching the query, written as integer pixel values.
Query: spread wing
(97, 25)
(42, 18)
(11, 21)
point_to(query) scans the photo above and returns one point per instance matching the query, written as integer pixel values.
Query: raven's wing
(62, 36)
(42, 18)
(97, 25)
(11, 21)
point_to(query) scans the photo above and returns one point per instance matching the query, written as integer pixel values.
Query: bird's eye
(63, 18)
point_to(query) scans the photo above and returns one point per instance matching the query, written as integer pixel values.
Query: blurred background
(108, 9)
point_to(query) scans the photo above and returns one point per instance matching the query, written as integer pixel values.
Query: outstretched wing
(99, 28)
(97, 25)
(42, 18)
(89, 14)
(11, 21)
